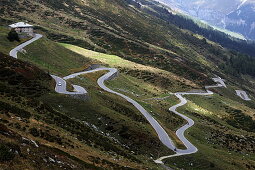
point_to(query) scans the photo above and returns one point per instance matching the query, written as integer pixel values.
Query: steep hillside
(123, 29)
(242, 19)
(222, 120)
(234, 15)
(30, 125)
(6, 45)
(155, 57)
(71, 133)
(94, 126)
(210, 11)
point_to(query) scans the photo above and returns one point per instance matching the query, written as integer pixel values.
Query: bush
(13, 36)
(34, 132)
(6, 153)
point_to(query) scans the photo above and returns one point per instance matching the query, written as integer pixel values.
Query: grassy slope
(5, 44)
(159, 108)
(52, 54)
(54, 58)
(127, 126)
(219, 142)
(213, 116)
(101, 31)
(115, 27)
(118, 62)
(42, 52)
(118, 28)
(33, 50)
(20, 87)
(52, 128)
(121, 30)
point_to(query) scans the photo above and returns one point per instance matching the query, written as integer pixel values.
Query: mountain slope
(209, 11)
(29, 124)
(21, 85)
(155, 58)
(242, 19)
(224, 14)
(123, 30)
(200, 110)
(113, 117)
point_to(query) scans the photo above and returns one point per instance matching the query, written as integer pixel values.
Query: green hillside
(143, 82)
(30, 111)
(155, 58)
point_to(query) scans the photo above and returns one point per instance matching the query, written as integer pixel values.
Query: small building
(23, 28)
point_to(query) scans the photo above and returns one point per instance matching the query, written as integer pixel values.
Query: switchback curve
(163, 136)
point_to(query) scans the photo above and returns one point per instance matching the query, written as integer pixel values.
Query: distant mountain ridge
(234, 15)
(242, 19)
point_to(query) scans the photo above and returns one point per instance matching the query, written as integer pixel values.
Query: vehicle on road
(59, 84)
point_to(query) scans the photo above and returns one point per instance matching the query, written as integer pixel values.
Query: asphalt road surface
(190, 148)
(14, 51)
(112, 72)
(61, 87)
(243, 95)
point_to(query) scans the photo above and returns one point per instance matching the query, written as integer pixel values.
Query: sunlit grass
(116, 61)
(196, 108)
(54, 58)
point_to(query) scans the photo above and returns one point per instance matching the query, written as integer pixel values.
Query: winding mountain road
(163, 136)
(112, 72)
(61, 87)
(243, 95)
(14, 51)
(190, 148)
(78, 90)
